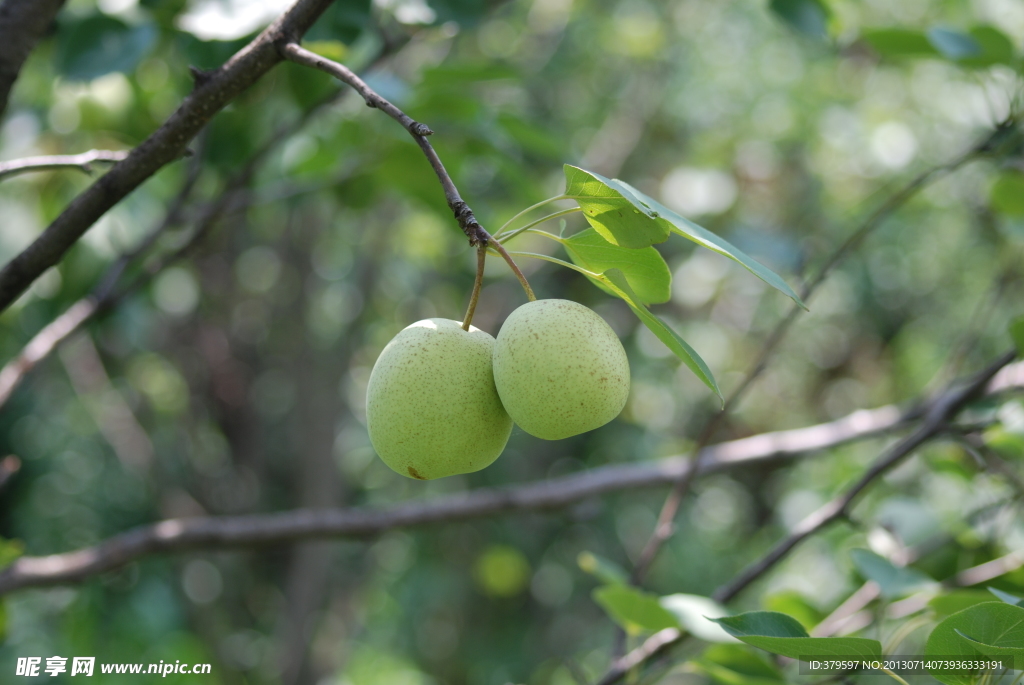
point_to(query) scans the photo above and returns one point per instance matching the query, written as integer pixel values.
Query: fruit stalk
(512, 265)
(481, 262)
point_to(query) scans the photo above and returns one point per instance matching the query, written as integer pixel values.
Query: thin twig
(476, 233)
(515, 268)
(665, 524)
(481, 263)
(82, 162)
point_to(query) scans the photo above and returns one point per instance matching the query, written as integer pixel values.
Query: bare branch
(22, 24)
(551, 494)
(651, 647)
(665, 524)
(186, 534)
(463, 214)
(82, 162)
(212, 93)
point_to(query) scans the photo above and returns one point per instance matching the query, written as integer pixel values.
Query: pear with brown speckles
(560, 369)
(431, 406)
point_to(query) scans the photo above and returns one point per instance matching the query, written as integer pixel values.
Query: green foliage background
(246, 364)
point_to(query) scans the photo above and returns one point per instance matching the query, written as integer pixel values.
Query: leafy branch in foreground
(937, 419)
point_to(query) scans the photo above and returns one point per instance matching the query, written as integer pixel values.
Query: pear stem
(481, 261)
(492, 241)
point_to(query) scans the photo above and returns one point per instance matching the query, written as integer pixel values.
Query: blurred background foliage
(234, 383)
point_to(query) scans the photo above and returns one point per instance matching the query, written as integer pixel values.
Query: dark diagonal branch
(665, 524)
(476, 233)
(82, 162)
(222, 532)
(936, 421)
(937, 417)
(212, 93)
(107, 294)
(22, 24)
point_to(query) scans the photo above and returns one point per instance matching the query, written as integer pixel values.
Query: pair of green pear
(441, 400)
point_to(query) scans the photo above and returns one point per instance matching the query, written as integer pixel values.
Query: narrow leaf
(644, 268)
(895, 42)
(616, 281)
(705, 238)
(782, 634)
(996, 47)
(634, 610)
(894, 581)
(1007, 597)
(614, 210)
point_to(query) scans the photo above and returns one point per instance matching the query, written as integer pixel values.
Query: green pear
(560, 369)
(431, 406)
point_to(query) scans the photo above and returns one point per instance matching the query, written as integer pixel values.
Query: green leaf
(645, 269)
(633, 609)
(1007, 597)
(989, 628)
(1017, 334)
(894, 581)
(949, 603)
(694, 613)
(809, 17)
(896, 42)
(733, 664)
(608, 571)
(782, 634)
(100, 44)
(705, 238)
(613, 210)
(626, 217)
(616, 281)
(1007, 194)
(953, 45)
(996, 47)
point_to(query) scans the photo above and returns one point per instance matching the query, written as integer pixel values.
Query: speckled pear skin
(560, 369)
(431, 406)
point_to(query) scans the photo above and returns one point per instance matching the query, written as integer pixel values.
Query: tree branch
(82, 162)
(22, 24)
(213, 92)
(104, 296)
(937, 416)
(463, 214)
(185, 534)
